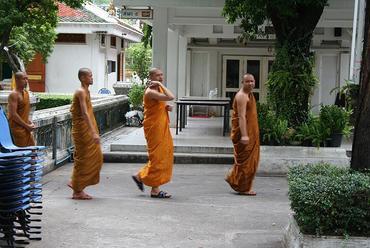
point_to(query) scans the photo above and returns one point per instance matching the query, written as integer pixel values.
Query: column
(173, 66)
(160, 39)
(182, 69)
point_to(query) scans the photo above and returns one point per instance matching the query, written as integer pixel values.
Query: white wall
(63, 64)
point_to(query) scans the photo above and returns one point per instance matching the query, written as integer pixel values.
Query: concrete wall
(66, 59)
(54, 125)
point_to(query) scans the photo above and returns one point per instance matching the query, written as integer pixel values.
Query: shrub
(335, 118)
(136, 95)
(313, 132)
(273, 130)
(52, 101)
(330, 201)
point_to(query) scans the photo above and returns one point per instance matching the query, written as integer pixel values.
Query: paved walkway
(204, 212)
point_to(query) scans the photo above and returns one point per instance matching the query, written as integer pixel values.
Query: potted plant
(336, 119)
(135, 95)
(313, 133)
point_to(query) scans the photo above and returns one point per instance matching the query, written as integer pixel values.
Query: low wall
(54, 126)
(293, 238)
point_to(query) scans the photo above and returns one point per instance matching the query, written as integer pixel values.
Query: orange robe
(158, 170)
(88, 157)
(21, 136)
(246, 157)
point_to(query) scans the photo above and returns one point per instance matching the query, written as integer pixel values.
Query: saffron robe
(88, 156)
(246, 157)
(156, 123)
(21, 136)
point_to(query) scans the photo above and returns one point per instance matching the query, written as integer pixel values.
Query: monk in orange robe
(245, 138)
(18, 112)
(158, 170)
(88, 157)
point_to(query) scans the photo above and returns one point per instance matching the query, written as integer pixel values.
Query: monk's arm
(154, 94)
(82, 99)
(242, 104)
(13, 114)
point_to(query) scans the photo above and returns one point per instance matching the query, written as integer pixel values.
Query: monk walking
(88, 157)
(158, 170)
(245, 138)
(18, 112)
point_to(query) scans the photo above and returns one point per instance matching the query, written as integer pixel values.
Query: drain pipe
(354, 36)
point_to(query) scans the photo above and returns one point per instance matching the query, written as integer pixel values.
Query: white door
(199, 74)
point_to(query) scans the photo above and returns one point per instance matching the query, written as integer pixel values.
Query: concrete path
(203, 212)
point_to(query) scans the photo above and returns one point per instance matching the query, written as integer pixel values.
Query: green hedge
(52, 101)
(330, 201)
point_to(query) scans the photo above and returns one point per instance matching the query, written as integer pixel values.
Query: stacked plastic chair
(20, 190)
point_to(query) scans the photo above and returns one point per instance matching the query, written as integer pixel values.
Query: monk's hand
(244, 140)
(169, 107)
(96, 138)
(154, 84)
(31, 127)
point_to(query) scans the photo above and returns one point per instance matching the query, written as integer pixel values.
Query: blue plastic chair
(6, 140)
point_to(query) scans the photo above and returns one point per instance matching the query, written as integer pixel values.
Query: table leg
(228, 118)
(224, 125)
(177, 119)
(181, 106)
(183, 116)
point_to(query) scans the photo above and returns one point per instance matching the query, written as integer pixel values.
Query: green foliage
(335, 118)
(330, 201)
(52, 101)
(273, 130)
(136, 95)
(139, 59)
(254, 13)
(28, 27)
(147, 37)
(291, 80)
(290, 85)
(313, 132)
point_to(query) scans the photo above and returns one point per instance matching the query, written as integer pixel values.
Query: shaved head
(18, 75)
(82, 72)
(156, 74)
(153, 71)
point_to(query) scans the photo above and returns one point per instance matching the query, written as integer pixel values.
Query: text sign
(136, 14)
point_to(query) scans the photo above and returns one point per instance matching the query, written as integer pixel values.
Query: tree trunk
(290, 97)
(361, 141)
(10, 58)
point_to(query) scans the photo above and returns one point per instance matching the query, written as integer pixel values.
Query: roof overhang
(188, 15)
(108, 28)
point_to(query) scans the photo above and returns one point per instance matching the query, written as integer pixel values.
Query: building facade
(199, 51)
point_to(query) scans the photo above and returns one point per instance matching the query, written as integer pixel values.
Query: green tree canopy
(139, 59)
(27, 27)
(291, 80)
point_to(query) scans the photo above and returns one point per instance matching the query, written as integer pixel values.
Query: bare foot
(81, 196)
(249, 193)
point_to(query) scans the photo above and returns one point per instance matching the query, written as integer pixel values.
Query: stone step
(177, 149)
(273, 160)
(180, 158)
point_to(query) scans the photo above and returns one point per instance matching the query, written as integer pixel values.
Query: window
(71, 38)
(232, 73)
(102, 40)
(113, 41)
(111, 66)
